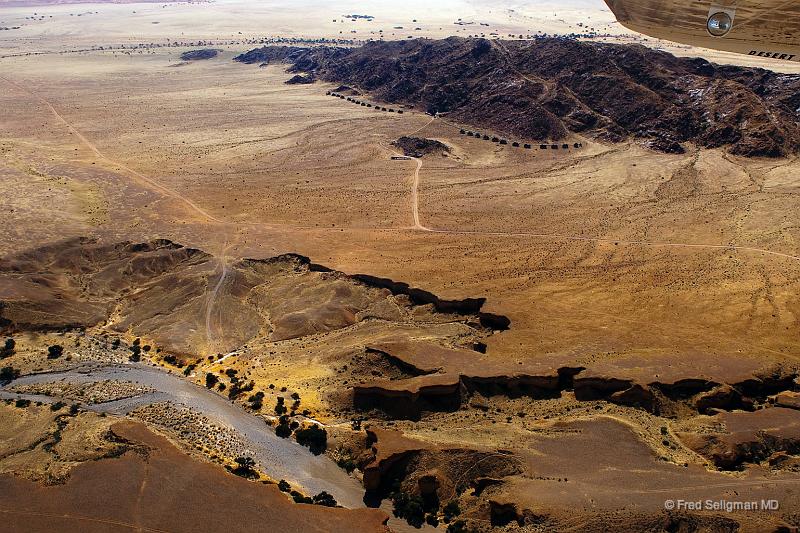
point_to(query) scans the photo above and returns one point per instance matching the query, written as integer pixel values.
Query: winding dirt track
(418, 226)
(555, 236)
(100, 155)
(212, 297)
(415, 197)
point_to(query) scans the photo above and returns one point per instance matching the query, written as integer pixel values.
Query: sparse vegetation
(136, 353)
(323, 498)
(245, 467)
(280, 408)
(256, 401)
(237, 389)
(283, 431)
(314, 437)
(300, 498)
(55, 351)
(459, 526)
(450, 511)
(409, 507)
(8, 348)
(8, 373)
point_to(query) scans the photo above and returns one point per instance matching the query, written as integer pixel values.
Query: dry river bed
(279, 458)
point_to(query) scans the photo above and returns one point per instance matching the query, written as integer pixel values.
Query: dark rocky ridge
(196, 55)
(550, 88)
(156, 288)
(419, 147)
(299, 79)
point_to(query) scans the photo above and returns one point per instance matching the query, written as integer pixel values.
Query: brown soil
(670, 279)
(162, 489)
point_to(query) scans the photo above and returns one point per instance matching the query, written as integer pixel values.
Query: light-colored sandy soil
(611, 255)
(607, 250)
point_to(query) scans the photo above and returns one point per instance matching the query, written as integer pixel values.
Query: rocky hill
(418, 147)
(167, 292)
(548, 88)
(198, 55)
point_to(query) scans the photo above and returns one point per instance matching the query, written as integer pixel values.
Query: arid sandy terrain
(640, 307)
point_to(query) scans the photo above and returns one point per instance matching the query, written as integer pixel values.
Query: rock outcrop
(418, 147)
(197, 55)
(550, 88)
(162, 290)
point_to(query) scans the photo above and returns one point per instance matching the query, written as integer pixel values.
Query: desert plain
(552, 339)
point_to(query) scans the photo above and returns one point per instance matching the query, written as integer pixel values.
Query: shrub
(57, 406)
(22, 403)
(323, 498)
(346, 463)
(284, 486)
(409, 507)
(211, 380)
(257, 397)
(314, 437)
(299, 498)
(55, 351)
(279, 407)
(136, 353)
(8, 373)
(283, 430)
(245, 467)
(457, 527)
(8, 348)
(451, 510)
